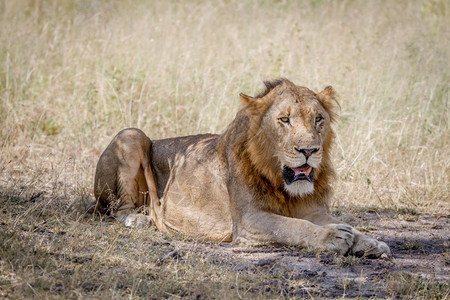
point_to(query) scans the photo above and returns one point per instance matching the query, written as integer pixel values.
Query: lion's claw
(344, 228)
(137, 220)
(339, 238)
(370, 248)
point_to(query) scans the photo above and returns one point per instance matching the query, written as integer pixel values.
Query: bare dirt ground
(48, 251)
(420, 247)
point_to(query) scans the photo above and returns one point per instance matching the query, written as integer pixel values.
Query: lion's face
(297, 123)
(300, 125)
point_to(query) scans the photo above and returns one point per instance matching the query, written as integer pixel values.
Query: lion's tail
(155, 201)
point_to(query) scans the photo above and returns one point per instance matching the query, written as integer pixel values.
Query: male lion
(265, 179)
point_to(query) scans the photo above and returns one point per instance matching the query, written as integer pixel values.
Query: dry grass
(73, 73)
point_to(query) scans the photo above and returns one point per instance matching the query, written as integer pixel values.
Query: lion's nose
(307, 152)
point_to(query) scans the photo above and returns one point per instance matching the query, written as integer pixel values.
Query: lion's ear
(250, 103)
(255, 106)
(327, 98)
(328, 92)
(247, 100)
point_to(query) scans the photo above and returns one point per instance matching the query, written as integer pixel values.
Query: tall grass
(73, 73)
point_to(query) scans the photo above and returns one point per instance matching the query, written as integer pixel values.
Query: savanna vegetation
(73, 73)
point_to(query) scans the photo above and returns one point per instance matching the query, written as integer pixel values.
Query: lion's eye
(319, 118)
(284, 119)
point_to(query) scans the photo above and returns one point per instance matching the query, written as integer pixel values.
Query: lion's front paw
(370, 248)
(337, 238)
(137, 220)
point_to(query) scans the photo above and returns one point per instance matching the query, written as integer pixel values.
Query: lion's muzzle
(307, 152)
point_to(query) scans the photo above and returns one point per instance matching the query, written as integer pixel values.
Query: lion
(266, 178)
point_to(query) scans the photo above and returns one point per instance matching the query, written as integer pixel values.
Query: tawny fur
(231, 186)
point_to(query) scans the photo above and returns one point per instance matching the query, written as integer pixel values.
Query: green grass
(411, 246)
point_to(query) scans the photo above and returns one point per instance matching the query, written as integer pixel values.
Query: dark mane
(270, 85)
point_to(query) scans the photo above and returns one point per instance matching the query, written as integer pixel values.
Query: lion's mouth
(304, 172)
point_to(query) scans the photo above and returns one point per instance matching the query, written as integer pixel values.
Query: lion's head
(290, 135)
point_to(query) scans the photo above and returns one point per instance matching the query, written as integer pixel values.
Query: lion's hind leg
(121, 170)
(133, 195)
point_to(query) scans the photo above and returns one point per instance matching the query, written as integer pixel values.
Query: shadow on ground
(47, 250)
